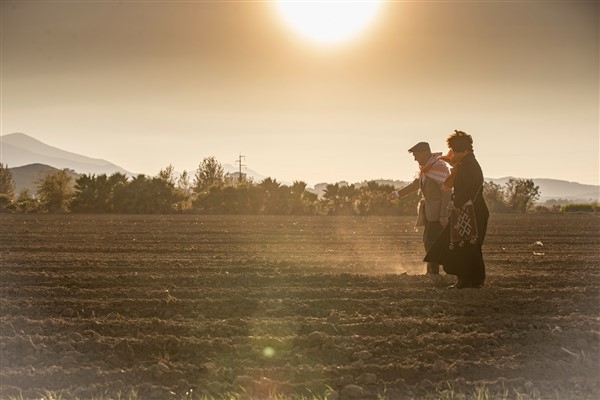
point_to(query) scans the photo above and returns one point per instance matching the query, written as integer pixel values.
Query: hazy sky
(145, 84)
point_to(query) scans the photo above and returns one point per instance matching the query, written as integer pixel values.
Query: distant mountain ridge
(29, 159)
(250, 173)
(19, 149)
(559, 189)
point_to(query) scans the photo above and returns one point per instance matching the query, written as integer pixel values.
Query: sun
(328, 22)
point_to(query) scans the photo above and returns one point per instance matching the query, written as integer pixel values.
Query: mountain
(29, 159)
(19, 149)
(255, 176)
(558, 189)
(27, 177)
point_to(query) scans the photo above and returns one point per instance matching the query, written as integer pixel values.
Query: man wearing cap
(433, 213)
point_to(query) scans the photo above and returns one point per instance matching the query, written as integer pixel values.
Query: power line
(239, 162)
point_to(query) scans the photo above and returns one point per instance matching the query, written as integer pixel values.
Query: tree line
(211, 191)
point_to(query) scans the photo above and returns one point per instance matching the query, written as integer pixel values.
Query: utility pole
(239, 162)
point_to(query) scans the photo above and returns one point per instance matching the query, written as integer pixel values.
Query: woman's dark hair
(460, 141)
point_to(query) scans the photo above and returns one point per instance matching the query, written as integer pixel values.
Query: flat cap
(421, 146)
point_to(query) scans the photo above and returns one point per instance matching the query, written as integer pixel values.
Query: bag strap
(477, 194)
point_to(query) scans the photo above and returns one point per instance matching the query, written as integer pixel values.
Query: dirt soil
(173, 306)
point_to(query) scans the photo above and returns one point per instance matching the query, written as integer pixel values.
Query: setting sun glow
(328, 22)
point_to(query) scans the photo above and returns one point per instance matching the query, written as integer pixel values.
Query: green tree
(116, 182)
(135, 197)
(330, 201)
(211, 201)
(407, 205)
(373, 199)
(521, 194)
(209, 173)
(85, 197)
(494, 197)
(184, 183)
(55, 191)
(167, 174)
(164, 186)
(145, 195)
(25, 202)
(6, 204)
(95, 194)
(339, 199)
(302, 202)
(7, 183)
(167, 197)
(184, 190)
(90, 194)
(275, 197)
(253, 198)
(179, 198)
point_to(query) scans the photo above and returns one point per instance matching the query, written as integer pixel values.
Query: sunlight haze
(328, 22)
(148, 84)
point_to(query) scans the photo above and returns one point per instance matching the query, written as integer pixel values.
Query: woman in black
(463, 258)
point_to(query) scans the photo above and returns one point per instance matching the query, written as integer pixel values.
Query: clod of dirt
(243, 381)
(333, 318)
(367, 379)
(346, 380)
(68, 312)
(439, 366)
(352, 392)
(362, 355)
(358, 364)
(315, 338)
(388, 323)
(412, 333)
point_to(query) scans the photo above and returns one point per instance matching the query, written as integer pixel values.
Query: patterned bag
(463, 225)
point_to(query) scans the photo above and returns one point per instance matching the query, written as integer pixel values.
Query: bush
(582, 207)
(540, 209)
(6, 204)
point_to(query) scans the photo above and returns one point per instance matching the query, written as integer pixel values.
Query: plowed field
(176, 306)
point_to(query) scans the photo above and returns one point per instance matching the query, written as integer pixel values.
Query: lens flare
(328, 22)
(268, 352)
